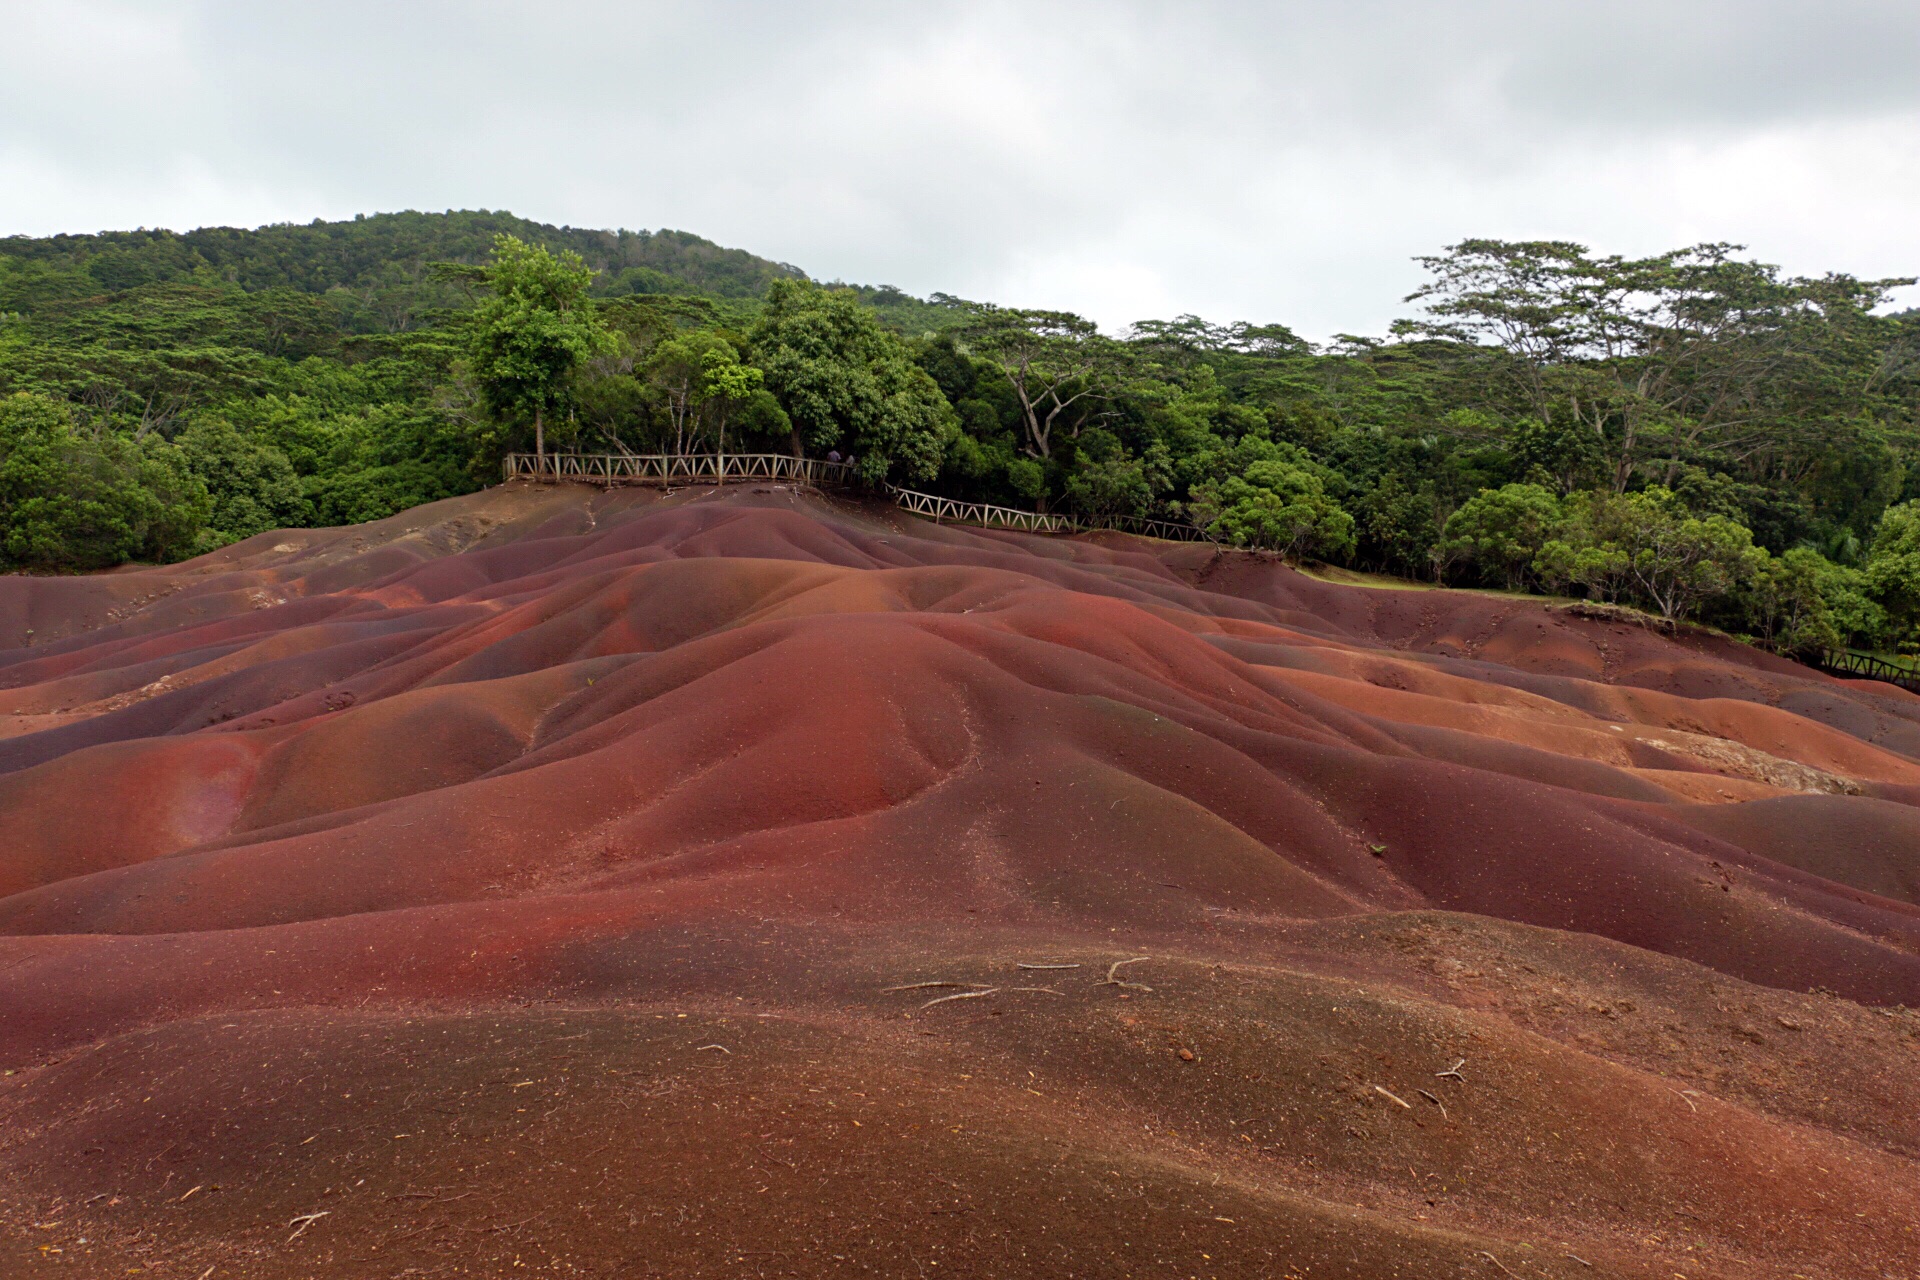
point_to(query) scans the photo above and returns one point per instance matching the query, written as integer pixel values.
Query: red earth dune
(741, 884)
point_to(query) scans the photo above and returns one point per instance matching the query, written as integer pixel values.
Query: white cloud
(1268, 161)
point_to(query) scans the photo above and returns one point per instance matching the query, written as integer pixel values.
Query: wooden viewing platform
(737, 468)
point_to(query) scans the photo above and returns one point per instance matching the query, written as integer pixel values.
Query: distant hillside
(375, 266)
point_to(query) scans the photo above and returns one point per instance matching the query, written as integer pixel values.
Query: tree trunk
(1623, 466)
(793, 439)
(540, 436)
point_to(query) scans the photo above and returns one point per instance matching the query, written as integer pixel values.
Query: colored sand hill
(616, 884)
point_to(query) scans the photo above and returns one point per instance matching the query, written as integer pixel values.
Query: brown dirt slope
(618, 884)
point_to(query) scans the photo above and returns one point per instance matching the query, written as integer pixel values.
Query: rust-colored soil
(562, 882)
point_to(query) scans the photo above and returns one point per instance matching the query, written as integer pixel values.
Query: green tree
(679, 369)
(1653, 549)
(1892, 572)
(1277, 504)
(1108, 481)
(726, 388)
(847, 383)
(534, 329)
(252, 486)
(1027, 478)
(1661, 359)
(75, 500)
(1601, 569)
(1058, 364)
(1187, 339)
(1503, 530)
(1561, 455)
(1394, 526)
(1801, 601)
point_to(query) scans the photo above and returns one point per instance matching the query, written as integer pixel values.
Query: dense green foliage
(847, 383)
(70, 497)
(1693, 433)
(531, 332)
(330, 373)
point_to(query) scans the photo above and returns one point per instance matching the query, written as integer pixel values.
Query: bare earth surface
(613, 884)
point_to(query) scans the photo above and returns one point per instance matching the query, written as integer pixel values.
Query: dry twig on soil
(1452, 1072)
(1113, 978)
(960, 995)
(305, 1220)
(1393, 1096)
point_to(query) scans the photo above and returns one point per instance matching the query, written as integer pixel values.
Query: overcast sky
(1270, 162)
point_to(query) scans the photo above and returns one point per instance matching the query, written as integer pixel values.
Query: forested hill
(1694, 433)
(376, 266)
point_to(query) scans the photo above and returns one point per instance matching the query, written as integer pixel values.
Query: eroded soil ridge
(618, 884)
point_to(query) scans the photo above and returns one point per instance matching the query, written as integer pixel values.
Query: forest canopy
(1693, 433)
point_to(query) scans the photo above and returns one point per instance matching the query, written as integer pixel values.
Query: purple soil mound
(741, 884)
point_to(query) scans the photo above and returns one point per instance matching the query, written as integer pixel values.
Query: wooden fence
(1171, 530)
(714, 468)
(1846, 662)
(675, 468)
(940, 510)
